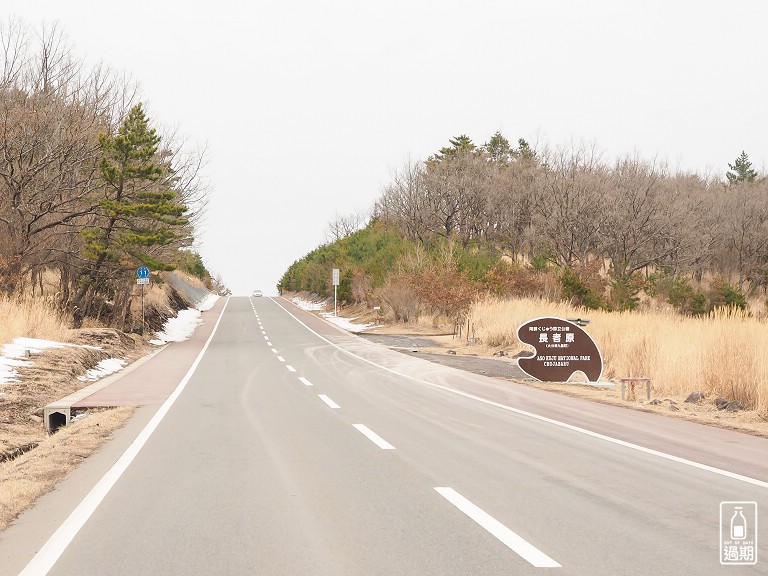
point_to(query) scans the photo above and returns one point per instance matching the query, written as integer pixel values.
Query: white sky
(307, 106)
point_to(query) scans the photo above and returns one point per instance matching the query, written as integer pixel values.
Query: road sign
(335, 276)
(142, 272)
(562, 348)
(142, 281)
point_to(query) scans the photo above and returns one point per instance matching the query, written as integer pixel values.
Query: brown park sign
(562, 348)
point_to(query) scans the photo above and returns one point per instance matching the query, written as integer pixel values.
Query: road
(293, 448)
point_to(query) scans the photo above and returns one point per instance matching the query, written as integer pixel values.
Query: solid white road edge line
(612, 440)
(331, 403)
(373, 437)
(514, 542)
(49, 554)
(305, 381)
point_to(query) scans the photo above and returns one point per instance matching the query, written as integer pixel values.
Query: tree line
(570, 208)
(89, 189)
(518, 220)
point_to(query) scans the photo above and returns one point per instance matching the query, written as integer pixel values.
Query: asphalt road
(297, 449)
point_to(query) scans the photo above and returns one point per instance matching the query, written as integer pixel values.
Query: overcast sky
(307, 106)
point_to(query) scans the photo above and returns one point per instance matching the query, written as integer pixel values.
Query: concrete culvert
(55, 421)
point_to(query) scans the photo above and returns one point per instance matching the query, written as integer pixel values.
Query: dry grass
(31, 475)
(30, 317)
(155, 296)
(721, 355)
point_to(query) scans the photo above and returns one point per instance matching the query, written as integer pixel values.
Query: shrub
(678, 292)
(624, 292)
(577, 292)
(725, 294)
(398, 294)
(512, 280)
(540, 262)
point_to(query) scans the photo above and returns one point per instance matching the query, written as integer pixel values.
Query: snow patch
(346, 323)
(104, 368)
(179, 328)
(207, 302)
(308, 304)
(19, 350)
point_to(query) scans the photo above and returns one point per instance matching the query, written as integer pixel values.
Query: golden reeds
(32, 318)
(723, 354)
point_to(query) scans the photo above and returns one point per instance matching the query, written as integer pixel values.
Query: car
(257, 292)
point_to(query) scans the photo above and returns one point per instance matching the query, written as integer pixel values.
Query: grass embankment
(722, 354)
(26, 478)
(30, 461)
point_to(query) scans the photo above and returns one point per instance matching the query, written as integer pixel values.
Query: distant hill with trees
(560, 222)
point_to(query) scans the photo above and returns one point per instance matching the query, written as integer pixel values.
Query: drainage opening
(55, 421)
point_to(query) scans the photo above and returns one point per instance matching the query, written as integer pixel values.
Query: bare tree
(744, 209)
(570, 204)
(645, 212)
(403, 201)
(342, 226)
(457, 189)
(50, 119)
(510, 204)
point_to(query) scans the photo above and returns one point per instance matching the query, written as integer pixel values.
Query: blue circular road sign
(142, 272)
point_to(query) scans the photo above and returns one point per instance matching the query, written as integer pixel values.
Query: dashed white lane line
(305, 381)
(517, 544)
(269, 344)
(373, 437)
(263, 332)
(331, 403)
(266, 337)
(274, 350)
(281, 359)
(552, 421)
(290, 368)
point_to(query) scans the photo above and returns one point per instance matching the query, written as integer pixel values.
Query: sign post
(562, 348)
(335, 284)
(142, 280)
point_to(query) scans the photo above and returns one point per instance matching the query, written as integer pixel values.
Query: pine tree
(459, 145)
(524, 151)
(139, 209)
(741, 170)
(499, 149)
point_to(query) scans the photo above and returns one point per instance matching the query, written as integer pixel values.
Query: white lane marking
(263, 332)
(373, 437)
(517, 544)
(305, 381)
(281, 359)
(611, 439)
(269, 344)
(274, 350)
(290, 368)
(52, 550)
(328, 401)
(266, 337)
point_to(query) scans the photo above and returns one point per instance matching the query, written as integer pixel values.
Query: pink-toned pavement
(151, 381)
